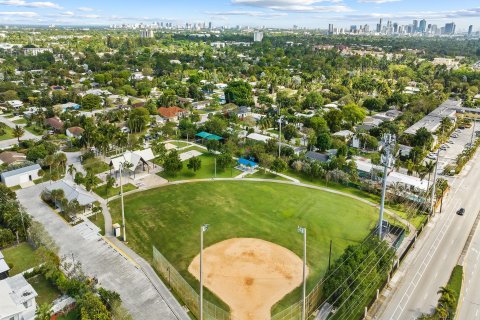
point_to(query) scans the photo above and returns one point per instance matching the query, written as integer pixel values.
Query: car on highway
(454, 135)
(461, 211)
(450, 142)
(432, 156)
(444, 147)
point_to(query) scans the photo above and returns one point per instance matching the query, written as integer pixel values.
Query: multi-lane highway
(413, 289)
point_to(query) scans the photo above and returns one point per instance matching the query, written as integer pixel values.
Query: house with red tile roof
(55, 123)
(172, 113)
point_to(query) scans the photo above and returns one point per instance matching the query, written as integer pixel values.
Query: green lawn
(169, 218)
(46, 291)
(179, 144)
(99, 221)
(8, 134)
(35, 130)
(102, 192)
(267, 175)
(206, 171)
(20, 121)
(20, 258)
(95, 165)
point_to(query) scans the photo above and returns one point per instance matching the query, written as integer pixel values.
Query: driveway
(114, 269)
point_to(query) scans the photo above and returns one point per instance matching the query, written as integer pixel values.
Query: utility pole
(434, 185)
(388, 142)
(123, 207)
(303, 231)
(203, 229)
(473, 132)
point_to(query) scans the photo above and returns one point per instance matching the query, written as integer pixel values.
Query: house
(242, 112)
(133, 158)
(172, 113)
(200, 105)
(346, 135)
(17, 299)
(258, 137)
(55, 123)
(369, 123)
(12, 157)
(20, 176)
(4, 268)
(75, 132)
(316, 156)
(67, 106)
(15, 104)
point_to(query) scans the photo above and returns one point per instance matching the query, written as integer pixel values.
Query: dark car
(461, 212)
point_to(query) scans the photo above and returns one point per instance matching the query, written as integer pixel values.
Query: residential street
(113, 268)
(413, 289)
(7, 143)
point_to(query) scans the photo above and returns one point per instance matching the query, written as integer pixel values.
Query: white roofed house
(131, 160)
(4, 268)
(21, 176)
(17, 299)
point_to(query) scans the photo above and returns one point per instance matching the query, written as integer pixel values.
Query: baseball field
(252, 236)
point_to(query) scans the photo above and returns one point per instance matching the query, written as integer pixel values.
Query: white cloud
(18, 14)
(377, 1)
(296, 5)
(258, 14)
(36, 4)
(86, 9)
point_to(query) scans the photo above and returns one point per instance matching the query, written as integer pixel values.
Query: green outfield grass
(170, 217)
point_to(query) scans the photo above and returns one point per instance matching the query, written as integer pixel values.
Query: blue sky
(270, 13)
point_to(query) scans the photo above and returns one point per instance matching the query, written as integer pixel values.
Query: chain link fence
(186, 293)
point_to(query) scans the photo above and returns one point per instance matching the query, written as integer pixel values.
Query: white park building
(20, 176)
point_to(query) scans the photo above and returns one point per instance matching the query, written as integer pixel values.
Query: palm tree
(71, 169)
(60, 159)
(18, 132)
(109, 183)
(44, 312)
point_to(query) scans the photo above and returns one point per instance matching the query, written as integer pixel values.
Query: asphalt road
(4, 144)
(469, 307)
(428, 266)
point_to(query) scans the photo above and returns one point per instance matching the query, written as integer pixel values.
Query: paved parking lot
(99, 258)
(449, 155)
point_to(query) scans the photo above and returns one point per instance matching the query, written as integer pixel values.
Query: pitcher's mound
(250, 275)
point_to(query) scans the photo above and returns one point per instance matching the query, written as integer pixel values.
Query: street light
(280, 134)
(432, 200)
(123, 207)
(303, 231)
(203, 229)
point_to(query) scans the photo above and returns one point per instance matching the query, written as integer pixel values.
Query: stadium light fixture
(203, 229)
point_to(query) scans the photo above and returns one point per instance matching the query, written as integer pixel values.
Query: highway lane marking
(431, 251)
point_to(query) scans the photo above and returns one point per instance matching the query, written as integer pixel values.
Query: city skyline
(255, 13)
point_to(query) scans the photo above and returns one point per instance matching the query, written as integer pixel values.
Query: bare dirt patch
(250, 275)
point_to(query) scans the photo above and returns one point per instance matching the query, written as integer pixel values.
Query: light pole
(203, 229)
(123, 207)
(280, 134)
(303, 231)
(434, 185)
(388, 141)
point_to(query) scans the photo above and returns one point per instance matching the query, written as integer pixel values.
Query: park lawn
(99, 221)
(267, 175)
(95, 165)
(20, 121)
(47, 292)
(8, 134)
(20, 258)
(169, 219)
(207, 170)
(102, 192)
(179, 144)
